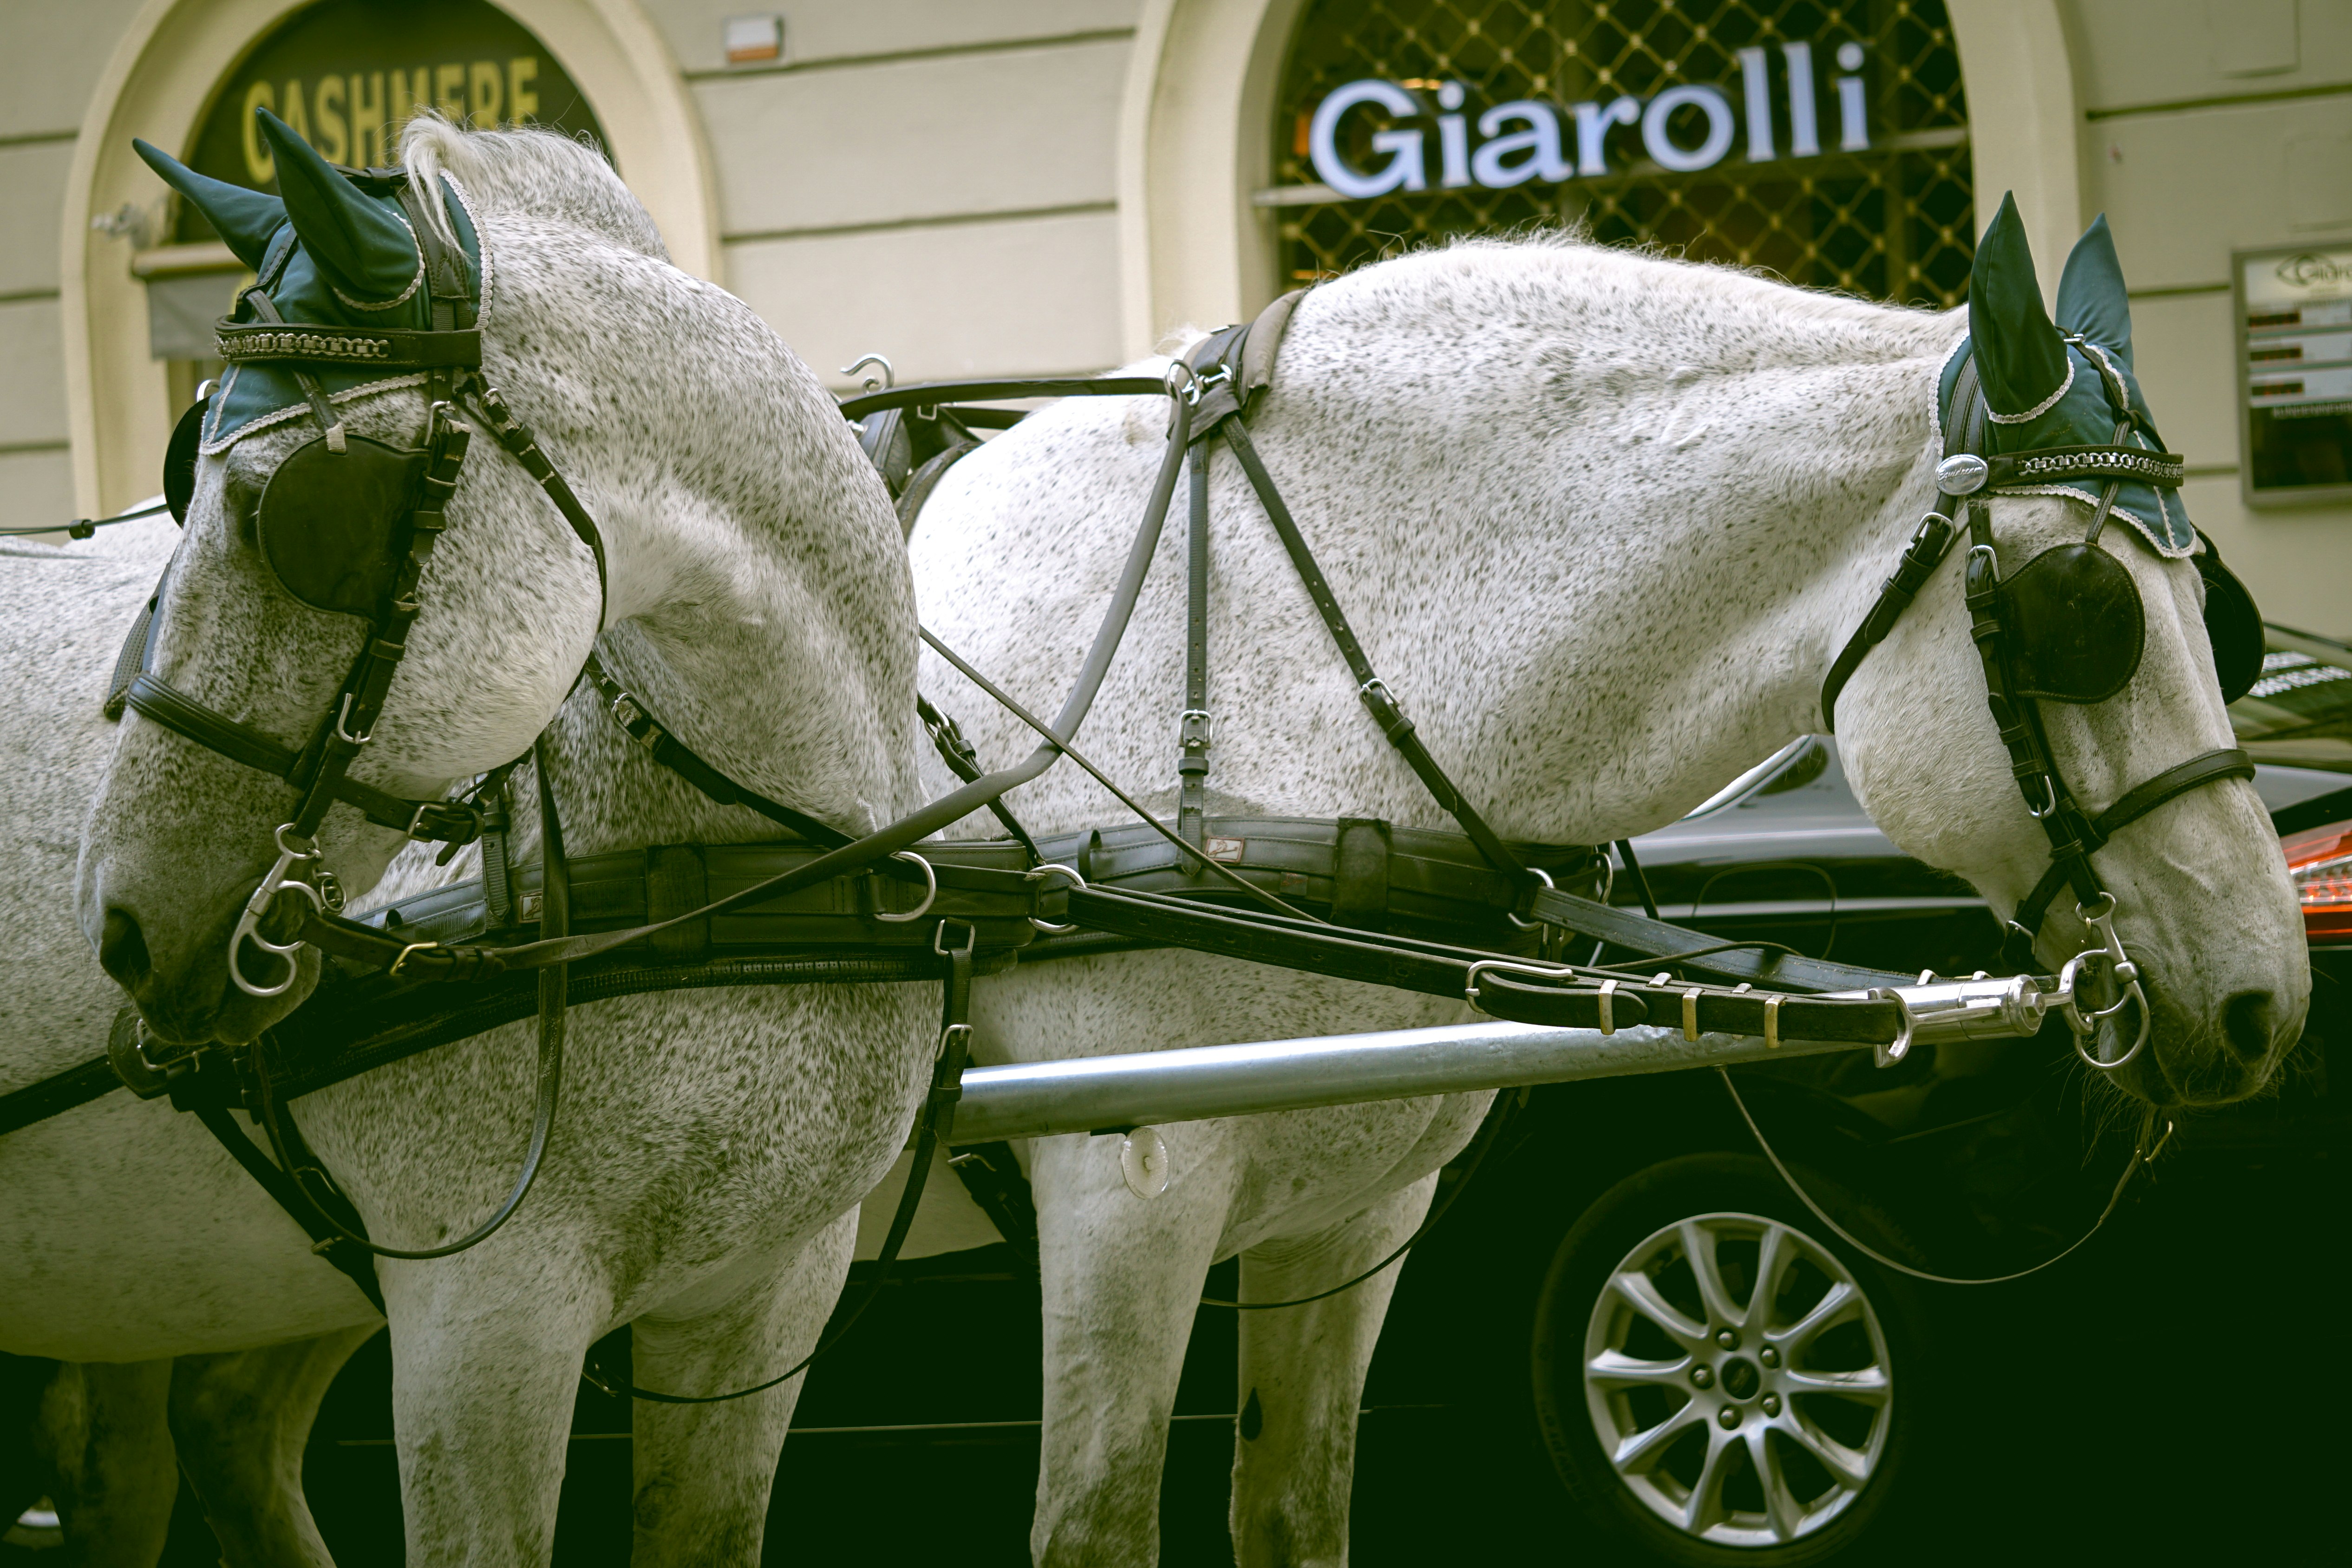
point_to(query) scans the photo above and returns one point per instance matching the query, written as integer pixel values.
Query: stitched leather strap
(1928, 547)
(441, 821)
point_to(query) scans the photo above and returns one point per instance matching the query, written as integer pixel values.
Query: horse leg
(1120, 1276)
(704, 1472)
(104, 1433)
(486, 1359)
(1302, 1381)
(241, 1420)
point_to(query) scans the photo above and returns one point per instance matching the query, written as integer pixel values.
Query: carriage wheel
(1713, 1379)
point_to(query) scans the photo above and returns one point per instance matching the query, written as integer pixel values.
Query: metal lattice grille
(1894, 222)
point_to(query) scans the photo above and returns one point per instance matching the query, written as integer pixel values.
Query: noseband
(2067, 626)
(346, 525)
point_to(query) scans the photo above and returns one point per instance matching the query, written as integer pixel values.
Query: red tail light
(2319, 864)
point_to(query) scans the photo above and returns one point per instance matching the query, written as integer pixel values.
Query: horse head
(285, 585)
(2106, 632)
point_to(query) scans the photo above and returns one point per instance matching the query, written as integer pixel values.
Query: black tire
(1733, 1202)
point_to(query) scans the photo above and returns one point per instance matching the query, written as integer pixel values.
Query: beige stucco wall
(1033, 187)
(2189, 111)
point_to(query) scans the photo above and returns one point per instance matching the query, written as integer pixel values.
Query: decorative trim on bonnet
(2039, 409)
(2050, 464)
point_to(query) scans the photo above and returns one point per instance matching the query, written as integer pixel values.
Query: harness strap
(1192, 742)
(1929, 544)
(948, 737)
(629, 711)
(516, 436)
(445, 821)
(2209, 767)
(1369, 687)
(307, 1209)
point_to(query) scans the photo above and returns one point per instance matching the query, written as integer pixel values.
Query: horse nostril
(2246, 1025)
(123, 949)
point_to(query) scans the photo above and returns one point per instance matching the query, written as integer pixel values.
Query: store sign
(347, 75)
(1683, 129)
(2294, 359)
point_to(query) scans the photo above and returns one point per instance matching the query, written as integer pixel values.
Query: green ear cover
(2091, 298)
(245, 219)
(2019, 354)
(366, 251)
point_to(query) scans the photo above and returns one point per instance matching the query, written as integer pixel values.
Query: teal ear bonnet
(2046, 384)
(334, 249)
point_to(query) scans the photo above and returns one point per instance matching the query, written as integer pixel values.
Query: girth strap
(2209, 767)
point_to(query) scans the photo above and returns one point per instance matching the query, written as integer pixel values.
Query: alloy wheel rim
(1738, 1381)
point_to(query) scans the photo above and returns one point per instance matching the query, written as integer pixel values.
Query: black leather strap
(929, 393)
(1374, 693)
(1192, 724)
(441, 821)
(628, 710)
(1930, 545)
(2209, 767)
(306, 1208)
(1658, 939)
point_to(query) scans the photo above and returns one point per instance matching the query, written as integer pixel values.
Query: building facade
(1048, 186)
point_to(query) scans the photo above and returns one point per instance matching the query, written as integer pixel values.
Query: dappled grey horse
(704, 1170)
(1602, 521)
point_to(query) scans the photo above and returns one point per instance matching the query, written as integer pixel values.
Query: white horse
(713, 1146)
(1603, 520)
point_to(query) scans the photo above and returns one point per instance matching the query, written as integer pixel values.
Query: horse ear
(2019, 355)
(245, 219)
(366, 251)
(2091, 298)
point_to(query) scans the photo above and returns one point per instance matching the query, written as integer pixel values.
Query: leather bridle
(1966, 475)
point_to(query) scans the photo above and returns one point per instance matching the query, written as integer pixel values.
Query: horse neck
(759, 603)
(1632, 562)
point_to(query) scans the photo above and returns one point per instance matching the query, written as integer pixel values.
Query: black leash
(2141, 1155)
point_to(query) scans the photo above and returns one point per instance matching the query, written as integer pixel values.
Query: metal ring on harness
(1890, 1054)
(248, 920)
(1077, 883)
(2085, 1025)
(930, 892)
(1540, 875)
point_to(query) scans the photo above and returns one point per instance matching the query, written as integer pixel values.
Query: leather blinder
(2232, 624)
(329, 521)
(2075, 625)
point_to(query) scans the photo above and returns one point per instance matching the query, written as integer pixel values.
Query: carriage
(382, 280)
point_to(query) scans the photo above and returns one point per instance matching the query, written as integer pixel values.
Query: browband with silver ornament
(386, 348)
(2056, 465)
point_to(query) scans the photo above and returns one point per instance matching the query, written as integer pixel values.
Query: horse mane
(531, 169)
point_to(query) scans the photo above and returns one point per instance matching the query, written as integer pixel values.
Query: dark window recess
(1894, 222)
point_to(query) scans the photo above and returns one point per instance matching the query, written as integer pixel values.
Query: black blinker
(180, 460)
(2232, 624)
(331, 521)
(2075, 626)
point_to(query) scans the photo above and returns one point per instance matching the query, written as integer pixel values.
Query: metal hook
(1540, 875)
(1077, 884)
(248, 920)
(889, 376)
(930, 892)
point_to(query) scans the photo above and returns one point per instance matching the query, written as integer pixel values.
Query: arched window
(1825, 142)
